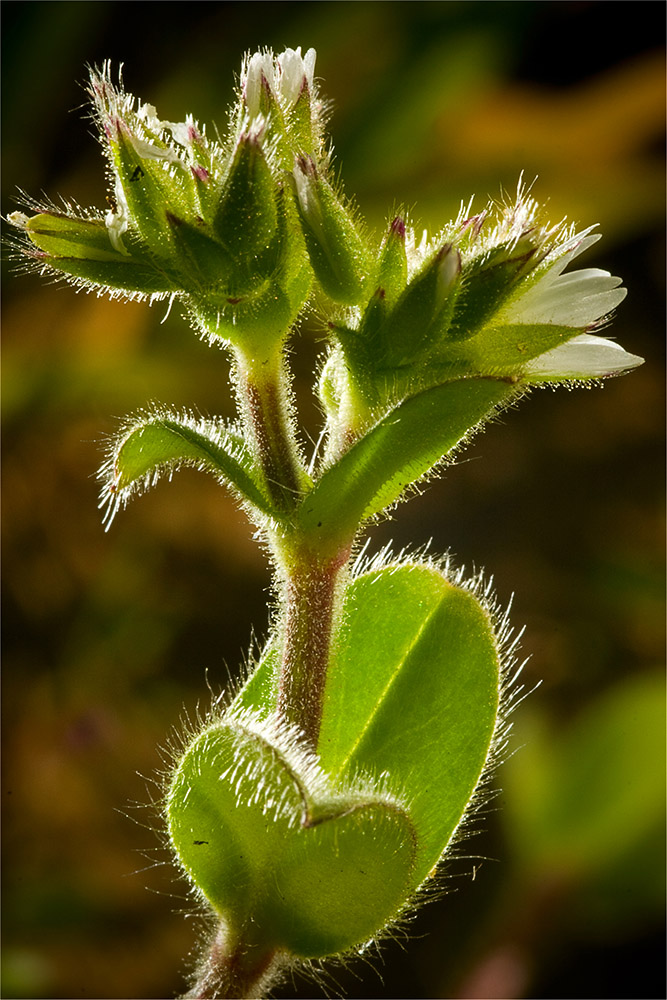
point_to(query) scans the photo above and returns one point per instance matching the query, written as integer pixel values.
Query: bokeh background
(110, 638)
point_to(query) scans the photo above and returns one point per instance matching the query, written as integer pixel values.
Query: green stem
(312, 597)
(266, 411)
(235, 971)
(311, 585)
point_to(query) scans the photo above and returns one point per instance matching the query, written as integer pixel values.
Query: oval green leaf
(413, 692)
(260, 835)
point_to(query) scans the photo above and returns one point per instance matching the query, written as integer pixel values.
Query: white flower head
(284, 77)
(293, 71)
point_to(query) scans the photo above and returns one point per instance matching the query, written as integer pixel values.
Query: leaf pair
(325, 854)
(373, 474)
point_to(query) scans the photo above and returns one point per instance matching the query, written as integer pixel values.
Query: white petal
(259, 65)
(149, 151)
(576, 299)
(292, 74)
(309, 66)
(117, 222)
(181, 132)
(585, 356)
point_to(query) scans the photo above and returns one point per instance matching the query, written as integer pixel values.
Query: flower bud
(188, 219)
(262, 296)
(247, 216)
(338, 254)
(84, 250)
(282, 91)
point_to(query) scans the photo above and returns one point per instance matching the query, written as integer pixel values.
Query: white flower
(284, 76)
(294, 70)
(583, 357)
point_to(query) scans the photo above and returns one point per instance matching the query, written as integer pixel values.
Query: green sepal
(151, 187)
(488, 282)
(297, 133)
(338, 254)
(246, 220)
(60, 235)
(392, 268)
(202, 260)
(81, 248)
(395, 453)
(500, 350)
(275, 848)
(161, 442)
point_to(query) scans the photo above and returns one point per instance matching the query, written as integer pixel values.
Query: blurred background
(109, 639)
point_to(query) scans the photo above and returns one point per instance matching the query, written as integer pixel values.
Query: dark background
(109, 638)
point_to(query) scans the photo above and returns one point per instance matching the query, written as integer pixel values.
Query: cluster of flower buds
(214, 226)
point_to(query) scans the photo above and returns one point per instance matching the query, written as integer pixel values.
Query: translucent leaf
(413, 690)
(412, 693)
(164, 441)
(256, 828)
(397, 452)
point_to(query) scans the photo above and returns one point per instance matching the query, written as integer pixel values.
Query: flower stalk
(242, 970)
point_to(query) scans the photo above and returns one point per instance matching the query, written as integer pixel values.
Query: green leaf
(257, 829)
(412, 692)
(164, 441)
(396, 453)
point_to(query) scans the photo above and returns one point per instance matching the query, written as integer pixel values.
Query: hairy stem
(262, 391)
(235, 971)
(312, 597)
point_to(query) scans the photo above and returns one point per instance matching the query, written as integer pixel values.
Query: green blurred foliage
(107, 637)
